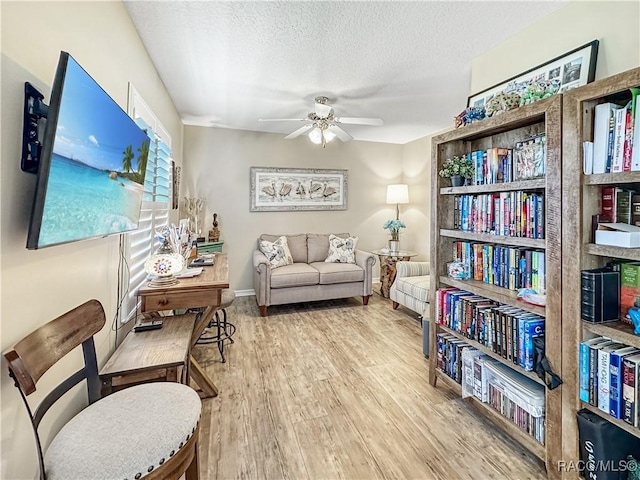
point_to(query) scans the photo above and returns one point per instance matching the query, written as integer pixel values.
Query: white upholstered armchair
(411, 287)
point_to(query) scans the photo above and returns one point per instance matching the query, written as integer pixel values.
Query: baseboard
(245, 293)
(376, 280)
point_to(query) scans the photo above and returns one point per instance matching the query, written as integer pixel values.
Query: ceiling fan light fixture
(328, 135)
(315, 136)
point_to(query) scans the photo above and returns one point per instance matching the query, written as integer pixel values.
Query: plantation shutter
(155, 202)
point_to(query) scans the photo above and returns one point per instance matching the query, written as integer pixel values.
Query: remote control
(144, 326)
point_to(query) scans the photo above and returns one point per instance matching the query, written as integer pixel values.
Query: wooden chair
(148, 430)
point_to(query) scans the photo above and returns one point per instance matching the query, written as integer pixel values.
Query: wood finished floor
(338, 390)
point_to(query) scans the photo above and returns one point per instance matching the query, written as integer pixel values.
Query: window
(155, 202)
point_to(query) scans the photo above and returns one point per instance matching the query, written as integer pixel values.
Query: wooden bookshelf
(582, 194)
(499, 294)
(492, 354)
(619, 331)
(616, 421)
(508, 427)
(491, 238)
(504, 131)
(612, 252)
(534, 184)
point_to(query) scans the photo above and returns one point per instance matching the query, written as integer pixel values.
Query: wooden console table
(149, 356)
(204, 290)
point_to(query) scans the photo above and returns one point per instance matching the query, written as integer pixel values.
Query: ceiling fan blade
(298, 132)
(359, 121)
(323, 110)
(340, 133)
(283, 119)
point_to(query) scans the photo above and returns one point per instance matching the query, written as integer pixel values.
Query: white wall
(615, 24)
(39, 285)
(217, 165)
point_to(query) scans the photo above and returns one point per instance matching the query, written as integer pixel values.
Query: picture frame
(297, 189)
(572, 69)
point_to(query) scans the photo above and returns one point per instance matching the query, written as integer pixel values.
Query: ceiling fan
(322, 125)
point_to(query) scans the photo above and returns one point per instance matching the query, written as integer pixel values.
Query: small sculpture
(214, 234)
(502, 102)
(469, 115)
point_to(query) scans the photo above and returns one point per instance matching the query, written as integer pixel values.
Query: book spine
(603, 380)
(618, 140)
(628, 140)
(610, 141)
(584, 372)
(588, 298)
(615, 385)
(629, 392)
(593, 377)
(607, 210)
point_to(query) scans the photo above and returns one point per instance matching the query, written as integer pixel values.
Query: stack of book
(610, 377)
(609, 293)
(616, 137)
(515, 214)
(505, 330)
(508, 267)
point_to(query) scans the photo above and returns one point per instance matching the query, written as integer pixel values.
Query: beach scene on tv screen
(98, 165)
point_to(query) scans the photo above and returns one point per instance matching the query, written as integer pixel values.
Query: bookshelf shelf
(612, 252)
(583, 194)
(505, 131)
(498, 239)
(492, 292)
(620, 423)
(535, 184)
(620, 331)
(611, 178)
(489, 352)
(509, 428)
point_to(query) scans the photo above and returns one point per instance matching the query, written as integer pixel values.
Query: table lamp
(398, 194)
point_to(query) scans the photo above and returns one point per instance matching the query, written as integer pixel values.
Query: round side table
(388, 260)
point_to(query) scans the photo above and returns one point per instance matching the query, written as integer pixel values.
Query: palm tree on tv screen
(142, 160)
(126, 160)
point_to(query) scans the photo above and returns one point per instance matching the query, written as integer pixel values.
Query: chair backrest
(32, 356)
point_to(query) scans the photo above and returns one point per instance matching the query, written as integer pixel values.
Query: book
(635, 145)
(618, 140)
(615, 379)
(629, 389)
(599, 295)
(593, 370)
(604, 375)
(607, 205)
(602, 118)
(635, 209)
(623, 206)
(629, 289)
(584, 356)
(587, 158)
(628, 139)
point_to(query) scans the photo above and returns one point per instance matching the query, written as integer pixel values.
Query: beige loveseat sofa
(310, 278)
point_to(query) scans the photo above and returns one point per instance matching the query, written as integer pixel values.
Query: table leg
(209, 388)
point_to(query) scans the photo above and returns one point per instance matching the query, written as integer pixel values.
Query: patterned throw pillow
(342, 250)
(277, 252)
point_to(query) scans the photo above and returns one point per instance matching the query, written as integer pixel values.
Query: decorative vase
(457, 181)
(394, 245)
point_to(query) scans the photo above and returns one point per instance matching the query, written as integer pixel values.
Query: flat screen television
(92, 164)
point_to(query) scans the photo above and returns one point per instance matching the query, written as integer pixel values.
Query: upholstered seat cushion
(338, 272)
(125, 435)
(295, 275)
(416, 287)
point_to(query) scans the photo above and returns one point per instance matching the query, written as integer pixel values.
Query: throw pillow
(342, 250)
(277, 252)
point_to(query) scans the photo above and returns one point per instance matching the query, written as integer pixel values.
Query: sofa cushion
(277, 252)
(318, 245)
(416, 287)
(297, 245)
(341, 250)
(338, 272)
(295, 275)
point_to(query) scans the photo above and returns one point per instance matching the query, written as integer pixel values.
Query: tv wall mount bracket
(34, 110)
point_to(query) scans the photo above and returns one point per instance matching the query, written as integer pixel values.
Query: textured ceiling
(226, 64)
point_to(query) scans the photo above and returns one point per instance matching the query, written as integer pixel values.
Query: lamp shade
(398, 193)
